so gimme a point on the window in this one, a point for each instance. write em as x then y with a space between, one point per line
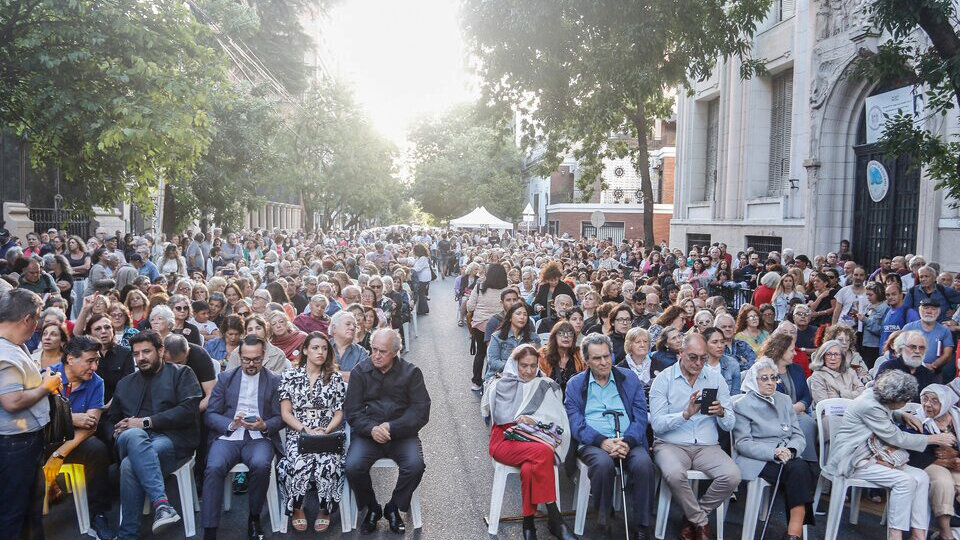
763 245
553 227
702 240
784 9
613 230
713 141
780 129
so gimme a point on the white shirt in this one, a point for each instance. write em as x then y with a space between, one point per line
246 404
848 299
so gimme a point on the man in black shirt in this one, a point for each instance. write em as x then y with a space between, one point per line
386 405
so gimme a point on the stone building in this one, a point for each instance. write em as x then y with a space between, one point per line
790 160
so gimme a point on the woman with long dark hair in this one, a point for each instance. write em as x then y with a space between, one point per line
560 358
484 303
513 332
551 286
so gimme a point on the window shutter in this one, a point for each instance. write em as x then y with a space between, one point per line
713 140
787 9
780 130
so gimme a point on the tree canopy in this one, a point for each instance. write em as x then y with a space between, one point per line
460 162
580 72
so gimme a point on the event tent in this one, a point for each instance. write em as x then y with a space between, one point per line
480 218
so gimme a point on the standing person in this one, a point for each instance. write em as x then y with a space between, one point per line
387 405
239 394
852 300
550 287
421 271
486 301
899 313
24 411
600 388
872 322
821 300
686 439
940 344
525 396
783 294
152 435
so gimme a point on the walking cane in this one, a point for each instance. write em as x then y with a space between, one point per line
623 479
773 499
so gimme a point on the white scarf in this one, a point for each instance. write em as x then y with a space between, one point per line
948 401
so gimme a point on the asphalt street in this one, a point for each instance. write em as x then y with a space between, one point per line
456 487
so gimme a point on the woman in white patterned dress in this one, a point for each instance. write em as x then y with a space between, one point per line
311 402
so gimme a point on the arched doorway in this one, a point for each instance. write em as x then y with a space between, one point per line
884 225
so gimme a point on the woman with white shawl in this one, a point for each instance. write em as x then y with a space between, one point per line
939 414
522 395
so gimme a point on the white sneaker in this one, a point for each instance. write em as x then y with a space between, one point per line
476 388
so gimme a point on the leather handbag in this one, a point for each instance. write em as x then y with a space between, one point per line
331 443
60 428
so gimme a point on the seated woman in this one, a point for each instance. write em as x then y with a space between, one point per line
847 338
748 328
832 375
232 332
53 339
285 336
522 387
717 360
793 382
311 402
668 347
560 358
621 318
273 357
939 414
672 317
767 436
637 360
868 445
513 332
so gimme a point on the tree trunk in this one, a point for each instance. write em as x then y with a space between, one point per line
946 42
642 166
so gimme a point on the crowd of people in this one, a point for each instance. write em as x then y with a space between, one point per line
281 350
712 362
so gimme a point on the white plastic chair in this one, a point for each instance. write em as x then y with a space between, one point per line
189 501
384 463
500 474
76 482
663 504
273 494
583 496
829 412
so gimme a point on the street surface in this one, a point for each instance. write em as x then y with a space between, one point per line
456 487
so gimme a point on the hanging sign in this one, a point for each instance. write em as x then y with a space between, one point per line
878 181
881 107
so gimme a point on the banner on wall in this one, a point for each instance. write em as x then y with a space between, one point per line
881 107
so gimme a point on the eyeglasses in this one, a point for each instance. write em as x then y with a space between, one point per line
376 287
181 308
769 378
622 320
833 355
698 358
252 361
802 314
917 348
565 333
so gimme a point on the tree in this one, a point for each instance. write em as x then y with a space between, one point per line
580 71
460 162
242 157
116 94
340 166
933 66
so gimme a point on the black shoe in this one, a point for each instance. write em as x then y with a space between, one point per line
393 517
254 532
102 528
559 529
530 534
370 519
240 483
643 534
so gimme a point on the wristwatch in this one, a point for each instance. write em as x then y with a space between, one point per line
147 424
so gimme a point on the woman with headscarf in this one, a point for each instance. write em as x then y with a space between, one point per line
832 375
523 397
767 437
939 414
868 445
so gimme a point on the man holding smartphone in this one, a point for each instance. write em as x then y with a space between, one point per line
686 434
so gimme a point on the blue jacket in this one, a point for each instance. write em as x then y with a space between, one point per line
796 374
634 401
498 351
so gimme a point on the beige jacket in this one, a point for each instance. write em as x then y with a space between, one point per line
826 383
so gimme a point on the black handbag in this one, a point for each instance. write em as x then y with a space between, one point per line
60 428
322 444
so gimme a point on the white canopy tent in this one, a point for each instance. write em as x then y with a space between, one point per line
480 218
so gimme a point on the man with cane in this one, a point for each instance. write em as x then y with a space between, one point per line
607 409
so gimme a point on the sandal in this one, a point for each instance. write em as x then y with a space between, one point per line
322 522
299 524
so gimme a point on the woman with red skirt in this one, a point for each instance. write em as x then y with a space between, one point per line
522 387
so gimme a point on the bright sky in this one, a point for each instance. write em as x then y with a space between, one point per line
403 58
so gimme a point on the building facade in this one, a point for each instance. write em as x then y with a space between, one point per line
559 205
791 160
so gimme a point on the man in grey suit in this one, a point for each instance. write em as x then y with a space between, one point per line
243 416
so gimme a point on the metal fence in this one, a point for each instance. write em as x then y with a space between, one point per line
735 297
47 218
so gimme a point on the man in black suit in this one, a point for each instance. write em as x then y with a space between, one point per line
244 420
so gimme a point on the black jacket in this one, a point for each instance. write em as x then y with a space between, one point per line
114 366
176 396
541 298
398 396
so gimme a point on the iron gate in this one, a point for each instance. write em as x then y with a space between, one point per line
888 227
611 229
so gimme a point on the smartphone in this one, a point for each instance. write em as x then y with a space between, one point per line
250 418
228 272
707 397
